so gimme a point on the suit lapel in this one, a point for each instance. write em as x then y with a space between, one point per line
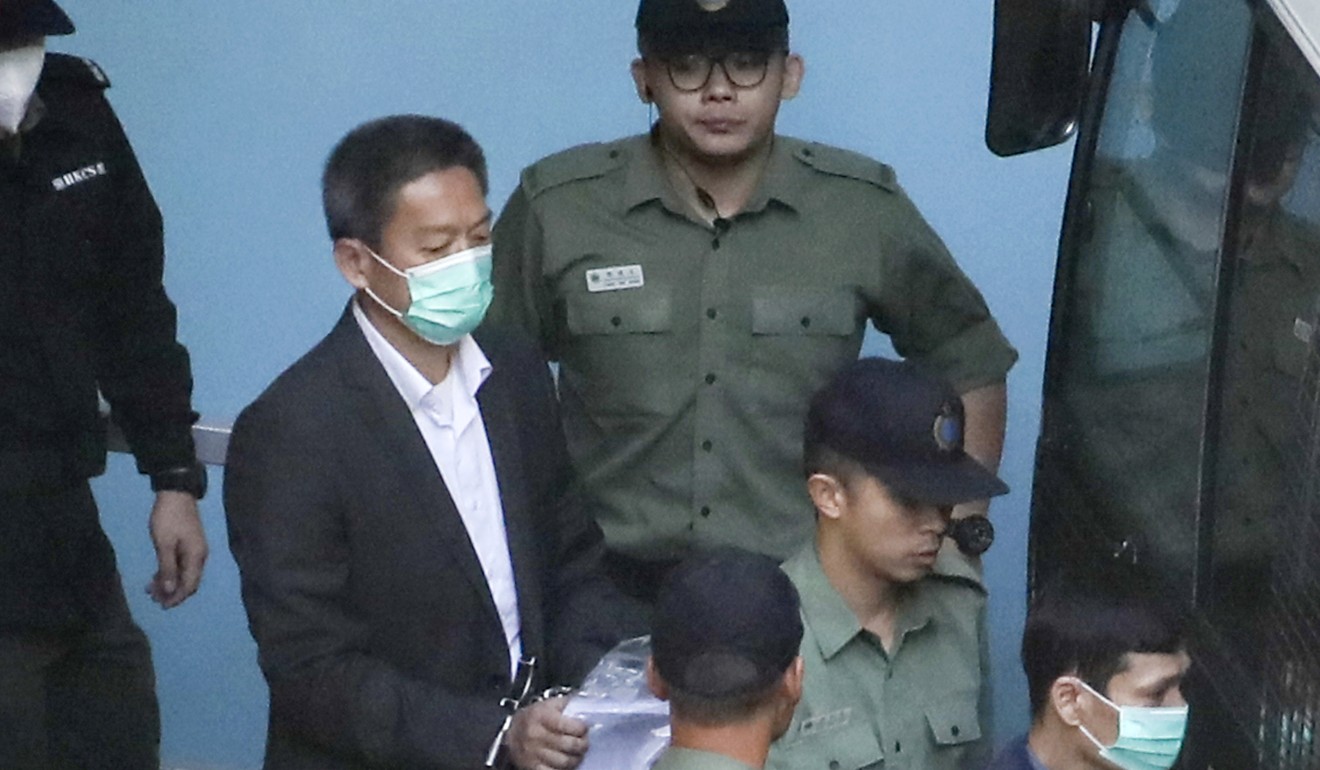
423 499
499 409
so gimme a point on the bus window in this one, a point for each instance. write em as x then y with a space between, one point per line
1121 441
1264 597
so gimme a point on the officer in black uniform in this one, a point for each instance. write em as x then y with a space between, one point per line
82 309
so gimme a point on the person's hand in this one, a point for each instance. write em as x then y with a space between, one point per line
176 532
542 738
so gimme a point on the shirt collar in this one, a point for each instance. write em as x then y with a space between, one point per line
681 757
36 110
785 176
832 621
469 365
13 143
646 178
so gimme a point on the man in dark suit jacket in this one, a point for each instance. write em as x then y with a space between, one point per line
399 500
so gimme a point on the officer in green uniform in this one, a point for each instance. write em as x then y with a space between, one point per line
698 284
897 671
724 653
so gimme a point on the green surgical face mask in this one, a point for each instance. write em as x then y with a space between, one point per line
449 296
1149 737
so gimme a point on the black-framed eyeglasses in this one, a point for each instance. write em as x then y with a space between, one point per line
743 69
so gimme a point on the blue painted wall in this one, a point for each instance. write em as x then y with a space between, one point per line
233 106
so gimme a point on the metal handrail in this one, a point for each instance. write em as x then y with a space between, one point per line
210 436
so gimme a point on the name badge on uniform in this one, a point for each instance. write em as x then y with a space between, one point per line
615 278
65 181
821 723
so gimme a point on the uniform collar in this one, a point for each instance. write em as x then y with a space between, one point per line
831 620
647 179
680 758
13 144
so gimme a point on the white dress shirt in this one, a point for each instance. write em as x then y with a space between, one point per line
449 418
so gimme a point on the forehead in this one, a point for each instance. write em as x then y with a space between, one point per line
448 199
1145 671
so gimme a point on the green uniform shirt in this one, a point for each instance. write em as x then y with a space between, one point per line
924 707
677 758
688 351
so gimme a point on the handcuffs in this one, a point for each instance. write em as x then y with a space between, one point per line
520 695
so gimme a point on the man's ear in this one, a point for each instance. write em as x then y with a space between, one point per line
795 69
1064 694
785 702
351 258
638 69
828 494
653 680
793 680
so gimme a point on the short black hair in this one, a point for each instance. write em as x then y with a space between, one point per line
717 710
817 457
1086 624
369 166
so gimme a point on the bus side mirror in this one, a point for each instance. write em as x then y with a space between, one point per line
1038 75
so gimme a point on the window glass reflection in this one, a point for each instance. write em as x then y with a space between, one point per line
1130 397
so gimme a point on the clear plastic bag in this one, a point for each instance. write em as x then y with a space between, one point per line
629 725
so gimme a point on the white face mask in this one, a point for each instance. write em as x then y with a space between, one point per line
19 70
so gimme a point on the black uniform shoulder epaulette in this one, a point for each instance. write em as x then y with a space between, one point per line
845 163
74 69
586 161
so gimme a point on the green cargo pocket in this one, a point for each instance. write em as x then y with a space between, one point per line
618 357
954 721
787 310
852 746
620 312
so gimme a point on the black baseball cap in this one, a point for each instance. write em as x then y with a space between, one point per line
696 26
726 624
905 427
32 18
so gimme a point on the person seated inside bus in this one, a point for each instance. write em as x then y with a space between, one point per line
1270 363
1105 660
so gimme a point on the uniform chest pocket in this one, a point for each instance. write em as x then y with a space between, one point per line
852 746
620 312
954 721
617 353
784 310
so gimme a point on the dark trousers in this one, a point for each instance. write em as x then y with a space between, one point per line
639 581
78 693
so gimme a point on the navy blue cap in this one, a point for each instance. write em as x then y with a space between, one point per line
693 26
726 624
32 18
905 427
